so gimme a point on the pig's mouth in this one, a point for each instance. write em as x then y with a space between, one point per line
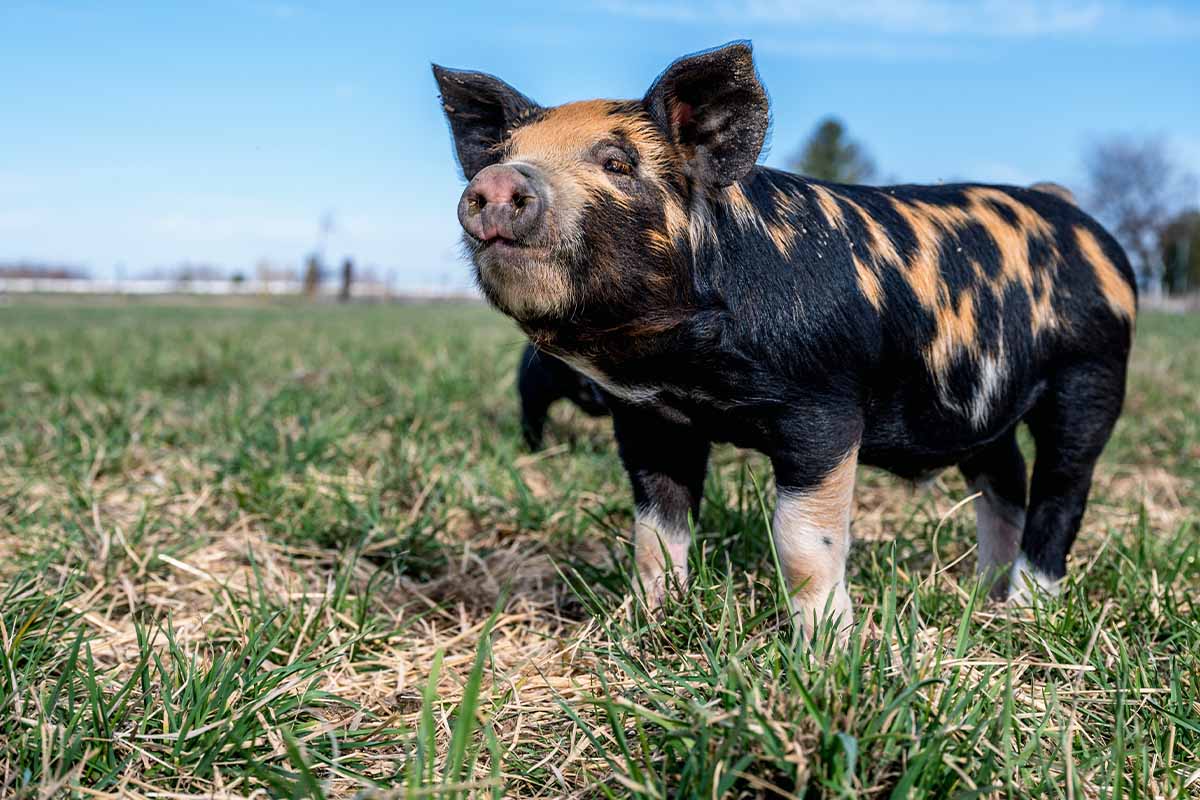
522 279
500 244
500 247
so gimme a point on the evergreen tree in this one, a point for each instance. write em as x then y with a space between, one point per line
1180 245
831 155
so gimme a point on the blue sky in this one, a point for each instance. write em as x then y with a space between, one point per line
149 134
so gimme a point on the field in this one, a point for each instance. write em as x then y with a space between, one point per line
299 551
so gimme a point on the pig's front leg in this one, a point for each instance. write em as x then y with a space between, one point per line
666 462
811 526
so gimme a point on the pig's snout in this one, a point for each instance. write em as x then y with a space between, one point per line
502 202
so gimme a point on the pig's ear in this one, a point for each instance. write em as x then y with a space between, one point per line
480 109
714 108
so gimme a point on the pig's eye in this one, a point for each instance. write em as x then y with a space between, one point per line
614 159
618 166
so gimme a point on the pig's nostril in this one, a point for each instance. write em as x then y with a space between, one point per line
500 202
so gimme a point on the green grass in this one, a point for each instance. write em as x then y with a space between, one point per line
301 550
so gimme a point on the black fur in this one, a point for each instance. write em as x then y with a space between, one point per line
690 101
788 358
481 109
543 380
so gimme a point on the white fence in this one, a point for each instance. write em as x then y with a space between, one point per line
247 288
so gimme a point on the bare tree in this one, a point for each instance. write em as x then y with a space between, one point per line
347 279
312 275
1135 187
326 225
34 269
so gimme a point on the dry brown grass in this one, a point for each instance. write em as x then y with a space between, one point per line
164 535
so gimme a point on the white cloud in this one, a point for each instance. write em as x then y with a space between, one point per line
281 10
939 18
860 48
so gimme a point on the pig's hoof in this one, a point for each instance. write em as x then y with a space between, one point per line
1029 585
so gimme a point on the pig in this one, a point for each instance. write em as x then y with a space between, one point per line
912 328
542 380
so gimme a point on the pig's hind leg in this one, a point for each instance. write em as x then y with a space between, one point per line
997 473
1071 424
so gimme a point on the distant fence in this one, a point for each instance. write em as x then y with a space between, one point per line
248 288
1180 304
365 290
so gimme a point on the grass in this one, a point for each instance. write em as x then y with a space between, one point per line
300 551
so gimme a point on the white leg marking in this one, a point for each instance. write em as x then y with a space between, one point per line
998 528
812 537
1028 583
657 543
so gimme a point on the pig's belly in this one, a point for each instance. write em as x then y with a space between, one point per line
915 436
